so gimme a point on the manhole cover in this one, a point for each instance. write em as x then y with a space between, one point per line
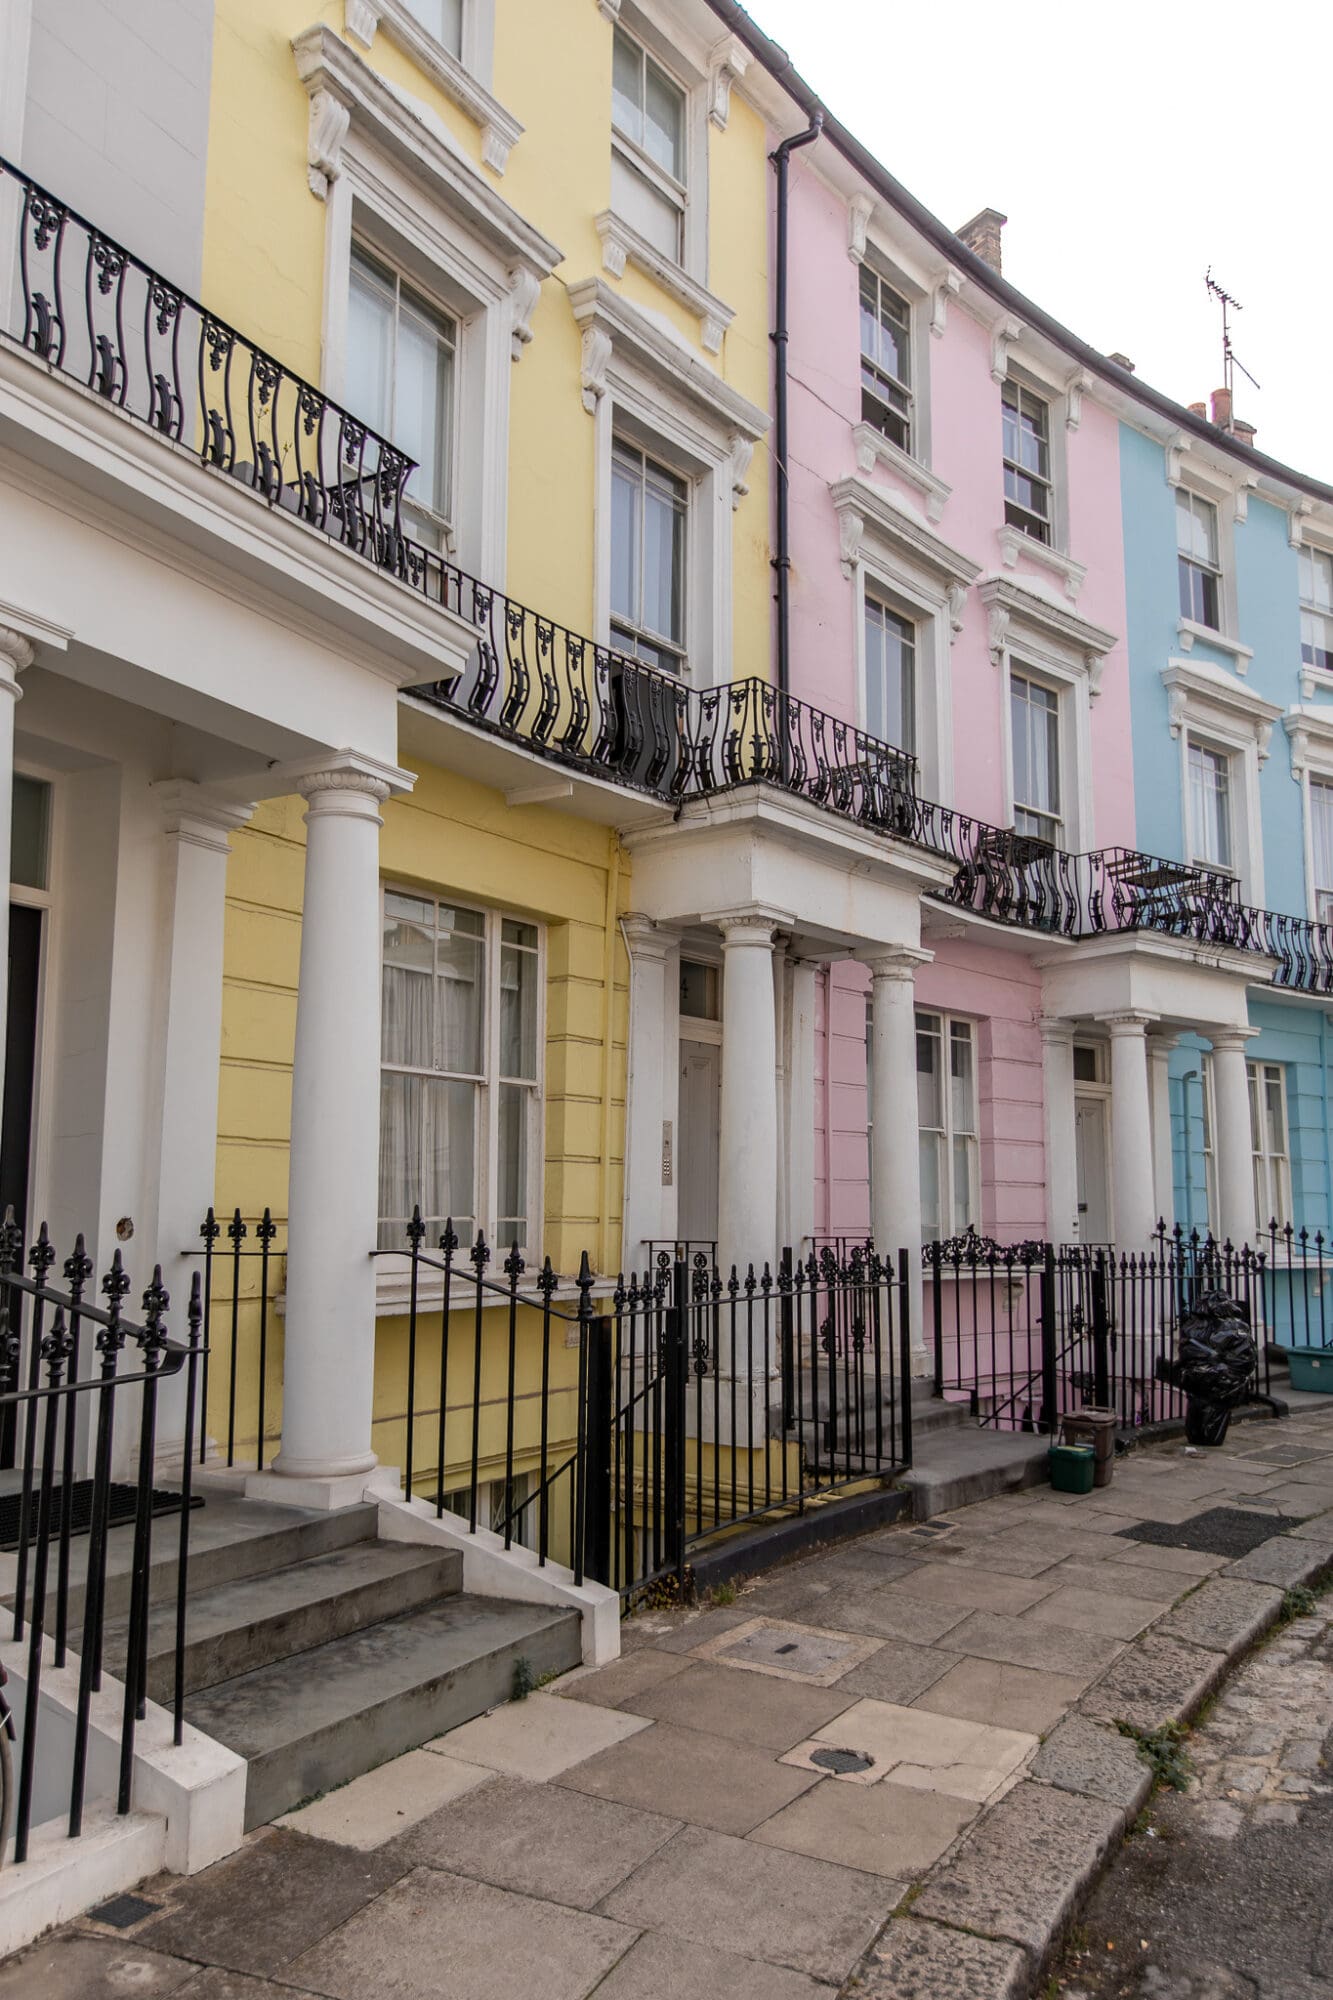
1220 1531
122 1911
795 1652
840 1762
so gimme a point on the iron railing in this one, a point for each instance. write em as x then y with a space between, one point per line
49 1337
623 1422
1027 1333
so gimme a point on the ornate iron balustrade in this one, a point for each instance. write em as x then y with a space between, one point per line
89 308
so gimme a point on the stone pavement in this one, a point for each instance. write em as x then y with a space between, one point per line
921 1722
1224 1893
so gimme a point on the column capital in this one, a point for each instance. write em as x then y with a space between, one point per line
1130 1022
192 814
900 961
757 924
1055 1031
16 654
1161 1045
645 937
1229 1041
340 771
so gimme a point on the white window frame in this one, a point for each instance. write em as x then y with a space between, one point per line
1316 675
882 601
1040 640
925 295
1271 1171
1224 637
1320 895
422 208
1226 757
465 77
945 1133
915 573
657 27
486 1163
1208 1115
674 193
1053 824
641 385
658 642
1209 706
1190 561
1018 385
873 267
440 521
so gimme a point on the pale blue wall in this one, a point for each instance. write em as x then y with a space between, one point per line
1294 1033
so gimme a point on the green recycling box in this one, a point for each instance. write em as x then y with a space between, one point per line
1311 1368
1072 1467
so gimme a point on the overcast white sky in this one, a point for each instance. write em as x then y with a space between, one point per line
1130 146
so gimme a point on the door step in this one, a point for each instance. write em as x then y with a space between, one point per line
314 1721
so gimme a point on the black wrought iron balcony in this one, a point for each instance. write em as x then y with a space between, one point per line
89 308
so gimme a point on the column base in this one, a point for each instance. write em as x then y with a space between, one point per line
324 1493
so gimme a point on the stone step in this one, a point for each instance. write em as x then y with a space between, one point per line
316 1720
955 1468
250 1622
230 1539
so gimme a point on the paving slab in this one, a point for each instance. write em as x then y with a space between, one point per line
1300 1498
988 1636
1154 1555
917 1961
753 1899
1078 1610
293 1890
537 1738
685 1775
538 1840
617 1686
850 1606
1156 1680
784 1649
87 1968
1226 1615
1095 1759
1287 1561
898 1672
722 1702
659 1968
1159 1586
1019 1871
385 1801
891 1830
974 1589
1312 1531
1007 1697
927 1751
432 1933
216 1983
679 1635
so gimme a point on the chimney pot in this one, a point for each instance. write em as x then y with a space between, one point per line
1122 361
982 235
1222 409
1242 431
1198 409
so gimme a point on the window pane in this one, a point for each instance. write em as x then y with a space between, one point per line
699 991
1321 834
400 1124
423 400
518 1009
890 676
1210 805
443 19
646 208
626 501
929 1083
627 88
962 1086
30 832
964 1151
448 1150
930 1146
664 555
664 122
513 1163
370 314
459 966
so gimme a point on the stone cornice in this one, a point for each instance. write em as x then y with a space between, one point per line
500 130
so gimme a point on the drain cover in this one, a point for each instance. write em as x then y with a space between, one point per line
841 1761
122 1911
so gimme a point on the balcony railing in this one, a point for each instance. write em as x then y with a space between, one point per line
89 308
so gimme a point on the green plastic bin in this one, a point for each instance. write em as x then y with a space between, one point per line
1073 1467
1311 1368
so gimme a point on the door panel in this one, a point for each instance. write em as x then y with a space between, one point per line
1094 1217
25 941
700 1106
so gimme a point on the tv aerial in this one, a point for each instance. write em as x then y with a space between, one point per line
1229 304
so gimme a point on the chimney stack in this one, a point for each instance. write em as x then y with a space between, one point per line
1198 409
1122 361
1222 409
982 235
1242 432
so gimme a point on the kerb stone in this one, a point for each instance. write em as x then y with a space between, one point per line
914 1961
1225 1616
1019 1873
1288 1561
1092 1758
1156 1680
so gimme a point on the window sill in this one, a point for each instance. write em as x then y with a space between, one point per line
876 452
622 245
393 1290
1189 629
1315 680
500 130
1014 543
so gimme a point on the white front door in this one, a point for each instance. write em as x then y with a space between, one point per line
697 1162
1094 1212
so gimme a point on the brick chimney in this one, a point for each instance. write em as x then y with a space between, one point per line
1222 409
1198 409
982 235
1242 432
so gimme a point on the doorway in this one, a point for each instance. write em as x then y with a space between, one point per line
25 949
1094 1208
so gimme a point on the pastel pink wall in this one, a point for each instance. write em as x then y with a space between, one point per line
996 985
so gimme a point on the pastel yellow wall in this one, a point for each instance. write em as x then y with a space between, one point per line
264 262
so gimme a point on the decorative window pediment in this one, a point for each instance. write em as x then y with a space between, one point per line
870 516
1015 616
1208 697
462 80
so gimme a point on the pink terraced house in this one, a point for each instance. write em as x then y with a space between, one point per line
957 589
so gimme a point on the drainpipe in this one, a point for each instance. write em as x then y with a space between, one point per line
782 560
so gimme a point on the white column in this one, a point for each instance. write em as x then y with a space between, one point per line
650 1138
799 1219
1233 1141
329 1349
189 1049
16 653
1131 1131
895 1170
1058 1117
747 1208
1163 1157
